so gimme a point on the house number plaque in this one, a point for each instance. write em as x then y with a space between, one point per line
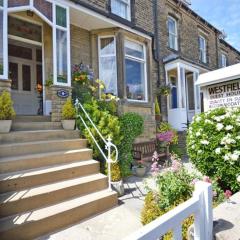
62 93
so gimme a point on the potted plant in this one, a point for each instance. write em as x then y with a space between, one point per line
116 179
157 111
68 115
140 169
165 89
7 112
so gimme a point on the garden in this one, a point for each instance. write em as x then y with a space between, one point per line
213 143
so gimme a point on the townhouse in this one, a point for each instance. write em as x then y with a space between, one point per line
43 39
187 46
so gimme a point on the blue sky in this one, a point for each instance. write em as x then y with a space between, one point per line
223 14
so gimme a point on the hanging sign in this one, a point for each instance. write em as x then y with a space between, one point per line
226 94
62 93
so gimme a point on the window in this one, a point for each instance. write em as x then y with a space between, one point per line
172 33
107 64
202 49
135 71
223 60
173 100
61 47
122 8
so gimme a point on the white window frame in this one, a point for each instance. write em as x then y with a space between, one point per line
128 13
5 40
144 61
173 34
223 60
203 50
108 55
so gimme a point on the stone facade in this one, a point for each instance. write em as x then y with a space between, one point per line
189 27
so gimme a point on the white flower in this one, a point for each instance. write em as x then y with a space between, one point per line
234 157
227 140
199 151
197 119
218 150
226 157
229 127
208 121
219 126
238 178
198 134
238 137
204 142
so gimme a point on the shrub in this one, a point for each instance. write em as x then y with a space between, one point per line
68 110
131 125
157 107
6 105
115 172
213 145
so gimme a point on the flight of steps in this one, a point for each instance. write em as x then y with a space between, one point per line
48 180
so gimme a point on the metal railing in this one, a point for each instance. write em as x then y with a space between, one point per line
108 142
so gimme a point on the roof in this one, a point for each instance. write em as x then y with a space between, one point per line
220 75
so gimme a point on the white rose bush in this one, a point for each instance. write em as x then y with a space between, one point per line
213 144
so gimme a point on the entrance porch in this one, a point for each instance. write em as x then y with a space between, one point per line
184 98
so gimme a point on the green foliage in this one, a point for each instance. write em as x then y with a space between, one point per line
213 145
6 105
68 110
175 149
165 127
49 81
131 125
157 107
115 172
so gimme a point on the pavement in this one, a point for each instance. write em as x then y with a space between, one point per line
114 224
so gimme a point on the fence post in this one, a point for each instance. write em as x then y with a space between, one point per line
203 223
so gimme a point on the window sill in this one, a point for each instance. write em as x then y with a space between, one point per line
173 50
136 103
121 19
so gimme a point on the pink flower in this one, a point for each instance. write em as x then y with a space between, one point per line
155 157
207 179
155 167
176 165
227 194
166 136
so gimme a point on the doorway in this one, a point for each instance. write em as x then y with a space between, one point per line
25 69
190 99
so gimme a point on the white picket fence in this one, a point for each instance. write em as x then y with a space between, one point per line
200 205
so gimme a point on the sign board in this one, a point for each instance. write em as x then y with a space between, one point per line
225 94
62 93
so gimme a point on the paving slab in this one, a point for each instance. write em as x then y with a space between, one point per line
227 219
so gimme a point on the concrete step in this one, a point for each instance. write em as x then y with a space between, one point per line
20 149
42 221
18 163
31 198
37 135
30 126
32 118
16 181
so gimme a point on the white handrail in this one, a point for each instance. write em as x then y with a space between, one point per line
108 143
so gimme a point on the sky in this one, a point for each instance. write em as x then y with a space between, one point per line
223 14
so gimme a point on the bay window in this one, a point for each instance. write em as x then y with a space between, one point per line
122 8
202 49
172 33
135 71
107 63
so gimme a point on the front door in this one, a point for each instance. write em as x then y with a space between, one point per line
190 96
26 78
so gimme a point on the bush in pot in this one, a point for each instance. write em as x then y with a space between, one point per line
7 112
116 179
68 115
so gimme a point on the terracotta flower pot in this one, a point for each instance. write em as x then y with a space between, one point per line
5 126
68 124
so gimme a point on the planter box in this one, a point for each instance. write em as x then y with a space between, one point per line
118 187
68 124
5 126
140 172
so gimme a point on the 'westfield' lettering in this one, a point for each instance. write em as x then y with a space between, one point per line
224 88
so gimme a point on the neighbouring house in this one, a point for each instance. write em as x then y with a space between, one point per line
188 45
41 40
